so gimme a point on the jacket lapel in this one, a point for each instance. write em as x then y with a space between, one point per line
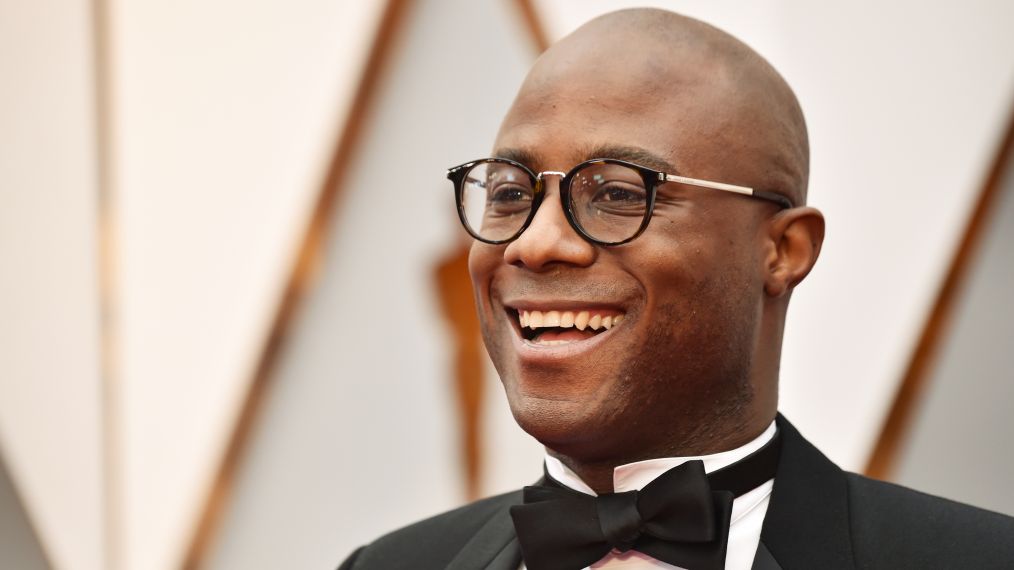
493 547
764 561
807 523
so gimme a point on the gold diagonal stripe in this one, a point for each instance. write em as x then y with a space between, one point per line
894 434
533 22
107 241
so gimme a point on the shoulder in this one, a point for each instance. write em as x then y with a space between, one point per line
897 527
430 543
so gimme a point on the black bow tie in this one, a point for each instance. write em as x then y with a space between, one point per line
682 517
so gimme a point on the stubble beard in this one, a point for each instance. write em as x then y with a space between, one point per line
686 393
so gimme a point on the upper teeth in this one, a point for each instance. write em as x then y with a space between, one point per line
567 319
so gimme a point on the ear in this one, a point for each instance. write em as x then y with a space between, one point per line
796 236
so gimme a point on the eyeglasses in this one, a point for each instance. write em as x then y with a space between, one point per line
606 201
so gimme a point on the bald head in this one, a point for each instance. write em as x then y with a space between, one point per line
714 95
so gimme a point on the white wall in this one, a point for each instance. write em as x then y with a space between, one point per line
905 103
50 387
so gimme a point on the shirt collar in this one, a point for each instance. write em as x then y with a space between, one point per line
634 476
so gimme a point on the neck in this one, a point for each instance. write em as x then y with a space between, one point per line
598 473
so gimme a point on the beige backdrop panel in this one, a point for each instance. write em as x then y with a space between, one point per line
19 544
225 114
50 422
961 435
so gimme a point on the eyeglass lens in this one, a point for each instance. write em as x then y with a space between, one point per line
607 201
496 198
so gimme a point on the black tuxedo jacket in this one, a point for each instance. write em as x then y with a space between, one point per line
819 517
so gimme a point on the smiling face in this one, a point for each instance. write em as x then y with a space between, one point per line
652 347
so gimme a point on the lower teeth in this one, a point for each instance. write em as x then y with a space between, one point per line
553 342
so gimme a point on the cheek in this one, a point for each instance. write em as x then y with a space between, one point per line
701 286
690 248
483 260
672 261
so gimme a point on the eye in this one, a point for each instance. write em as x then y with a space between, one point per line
619 198
506 193
507 198
620 193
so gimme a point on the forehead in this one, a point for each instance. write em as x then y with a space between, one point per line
569 112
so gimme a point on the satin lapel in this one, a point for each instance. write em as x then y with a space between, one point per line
807 523
764 560
493 547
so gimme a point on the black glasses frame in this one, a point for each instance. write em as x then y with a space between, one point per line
652 179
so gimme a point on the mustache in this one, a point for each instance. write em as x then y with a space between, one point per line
559 285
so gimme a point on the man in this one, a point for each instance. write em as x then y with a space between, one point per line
638 236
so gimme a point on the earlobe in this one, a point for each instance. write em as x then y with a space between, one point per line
796 237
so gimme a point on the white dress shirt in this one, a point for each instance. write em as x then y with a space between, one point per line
748 510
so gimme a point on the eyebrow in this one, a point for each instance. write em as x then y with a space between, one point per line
521 155
619 152
632 154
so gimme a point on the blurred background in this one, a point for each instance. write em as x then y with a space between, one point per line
235 327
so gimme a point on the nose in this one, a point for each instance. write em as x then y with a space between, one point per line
550 240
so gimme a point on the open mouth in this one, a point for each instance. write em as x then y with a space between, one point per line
552 328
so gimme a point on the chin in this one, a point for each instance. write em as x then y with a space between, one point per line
576 427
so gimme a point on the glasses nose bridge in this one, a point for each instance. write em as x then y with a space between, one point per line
540 176
540 181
